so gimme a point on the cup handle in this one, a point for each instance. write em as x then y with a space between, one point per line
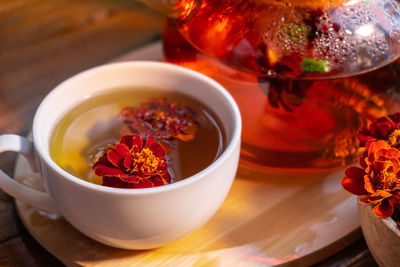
35 198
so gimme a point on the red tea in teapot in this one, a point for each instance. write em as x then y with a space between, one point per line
305 74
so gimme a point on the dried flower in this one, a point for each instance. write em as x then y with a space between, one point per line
284 93
290 66
377 181
134 163
160 120
384 128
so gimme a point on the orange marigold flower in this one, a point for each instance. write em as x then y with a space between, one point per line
383 128
134 163
159 119
378 179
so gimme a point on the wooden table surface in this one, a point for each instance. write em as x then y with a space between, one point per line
43 42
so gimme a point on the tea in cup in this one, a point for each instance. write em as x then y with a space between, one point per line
125 209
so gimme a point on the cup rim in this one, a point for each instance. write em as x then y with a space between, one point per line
229 149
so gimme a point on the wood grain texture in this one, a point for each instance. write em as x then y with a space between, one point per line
266 220
42 42
23 250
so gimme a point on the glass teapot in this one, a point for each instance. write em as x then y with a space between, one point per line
307 75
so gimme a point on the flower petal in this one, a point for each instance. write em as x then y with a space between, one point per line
375 147
383 209
103 170
380 166
158 181
112 182
354 181
144 183
137 144
364 136
395 117
380 130
363 161
384 120
103 167
369 184
127 140
116 183
131 178
395 198
379 194
132 141
128 162
364 200
162 165
354 172
395 166
166 177
157 149
117 155
103 160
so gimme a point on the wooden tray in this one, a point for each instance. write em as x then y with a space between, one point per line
267 219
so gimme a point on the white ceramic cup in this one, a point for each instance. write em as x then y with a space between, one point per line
128 218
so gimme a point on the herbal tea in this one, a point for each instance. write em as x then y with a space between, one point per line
135 134
306 75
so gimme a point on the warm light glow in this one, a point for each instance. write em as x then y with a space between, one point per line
351 2
185 8
220 26
272 260
272 57
365 30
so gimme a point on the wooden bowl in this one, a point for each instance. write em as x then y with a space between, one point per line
382 237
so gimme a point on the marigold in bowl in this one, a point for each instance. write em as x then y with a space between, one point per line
377 181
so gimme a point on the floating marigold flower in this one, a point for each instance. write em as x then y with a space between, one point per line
384 128
134 163
160 119
378 179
